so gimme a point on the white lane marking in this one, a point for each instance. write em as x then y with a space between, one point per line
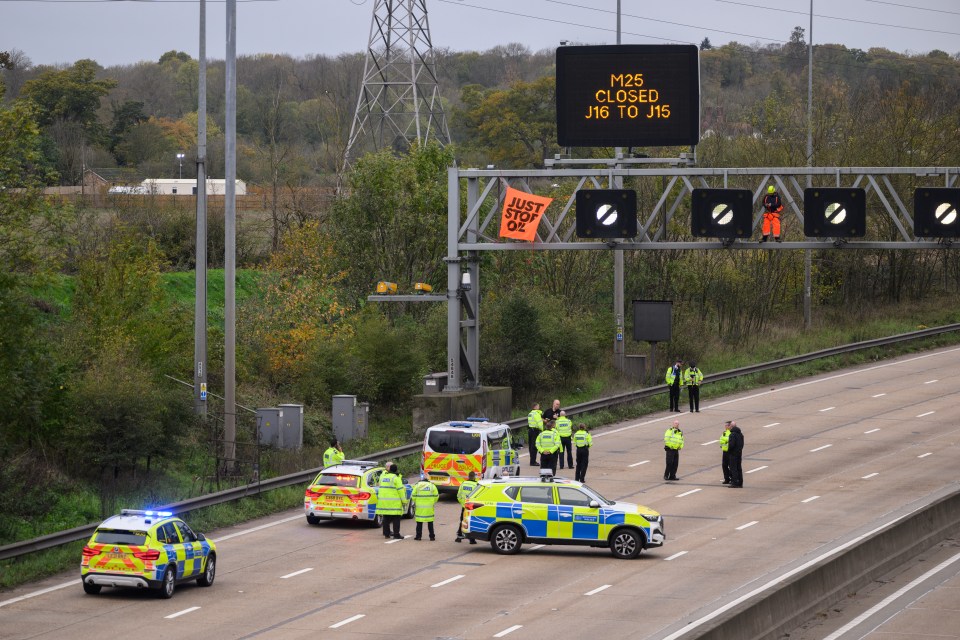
598 590
772 424
34 594
508 630
931 381
826 446
879 395
827 409
447 581
758 468
396 540
810 499
348 621
923 415
922 455
687 493
786 576
180 613
676 555
869 475
891 598
263 526
537 546
711 442
637 464
871 431
749 524
296 573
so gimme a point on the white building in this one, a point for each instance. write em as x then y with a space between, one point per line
188 187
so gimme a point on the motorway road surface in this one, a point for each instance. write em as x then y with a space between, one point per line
827 459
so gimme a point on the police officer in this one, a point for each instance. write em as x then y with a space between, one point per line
390 500
333 455
724 446
564 429
548 444
692 377
674 379
672 443
582 440
534 427
735 449
424 496
468 485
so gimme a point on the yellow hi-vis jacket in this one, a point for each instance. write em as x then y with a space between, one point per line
582 438
564 427
692 377
673 438
424 496
725 440
464 490
390 495
548 441
670 377
535 419
332 456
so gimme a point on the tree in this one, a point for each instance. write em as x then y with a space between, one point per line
705 44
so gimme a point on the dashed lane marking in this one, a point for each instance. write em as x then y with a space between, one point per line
347 621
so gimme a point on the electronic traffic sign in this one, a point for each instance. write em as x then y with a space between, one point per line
628 96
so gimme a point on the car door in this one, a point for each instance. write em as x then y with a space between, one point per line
192 559
536 501
585 520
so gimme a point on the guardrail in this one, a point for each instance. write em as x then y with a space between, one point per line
228 495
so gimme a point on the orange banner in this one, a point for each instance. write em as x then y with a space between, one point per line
521 214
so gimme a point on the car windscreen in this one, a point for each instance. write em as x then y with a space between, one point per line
599 497
452 441
118 536
338 480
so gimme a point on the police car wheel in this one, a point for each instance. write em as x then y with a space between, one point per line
92 589
506 539
625 543
313 520
409 512
209 572
169 583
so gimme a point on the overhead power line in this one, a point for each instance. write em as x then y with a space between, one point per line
910 6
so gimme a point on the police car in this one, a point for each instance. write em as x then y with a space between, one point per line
146 550
546 510
451 450
349 490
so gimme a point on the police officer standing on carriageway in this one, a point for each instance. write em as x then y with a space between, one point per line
424 496
735 449
674 379
672 443
692 377
390 500
333 455
468 485
724 446
548 444
582 440
534 427
564 427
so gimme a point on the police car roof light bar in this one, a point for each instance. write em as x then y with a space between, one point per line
141 512
475 419
546 475
362 463
461 424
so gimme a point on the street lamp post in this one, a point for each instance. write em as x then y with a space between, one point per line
180 157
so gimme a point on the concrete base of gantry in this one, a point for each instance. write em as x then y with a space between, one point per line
486 402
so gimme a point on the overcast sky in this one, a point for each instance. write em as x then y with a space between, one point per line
127 31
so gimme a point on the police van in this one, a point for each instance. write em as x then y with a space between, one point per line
451 450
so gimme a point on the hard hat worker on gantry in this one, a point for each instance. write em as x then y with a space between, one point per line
772 206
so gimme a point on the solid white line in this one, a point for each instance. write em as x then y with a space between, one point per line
922 415
508 630
347 621
810 499
296 573
772 424
180 613
889 599
687 493
758 469
396 540
922 455
711 442
749 524
827 409
263 526
931 381
676 555
871 431
34 594
879 395
447 581
826 446
869 475
598 590
637 464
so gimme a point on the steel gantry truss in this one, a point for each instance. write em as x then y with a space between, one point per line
475 202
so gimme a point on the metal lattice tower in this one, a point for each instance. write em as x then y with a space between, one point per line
399 101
